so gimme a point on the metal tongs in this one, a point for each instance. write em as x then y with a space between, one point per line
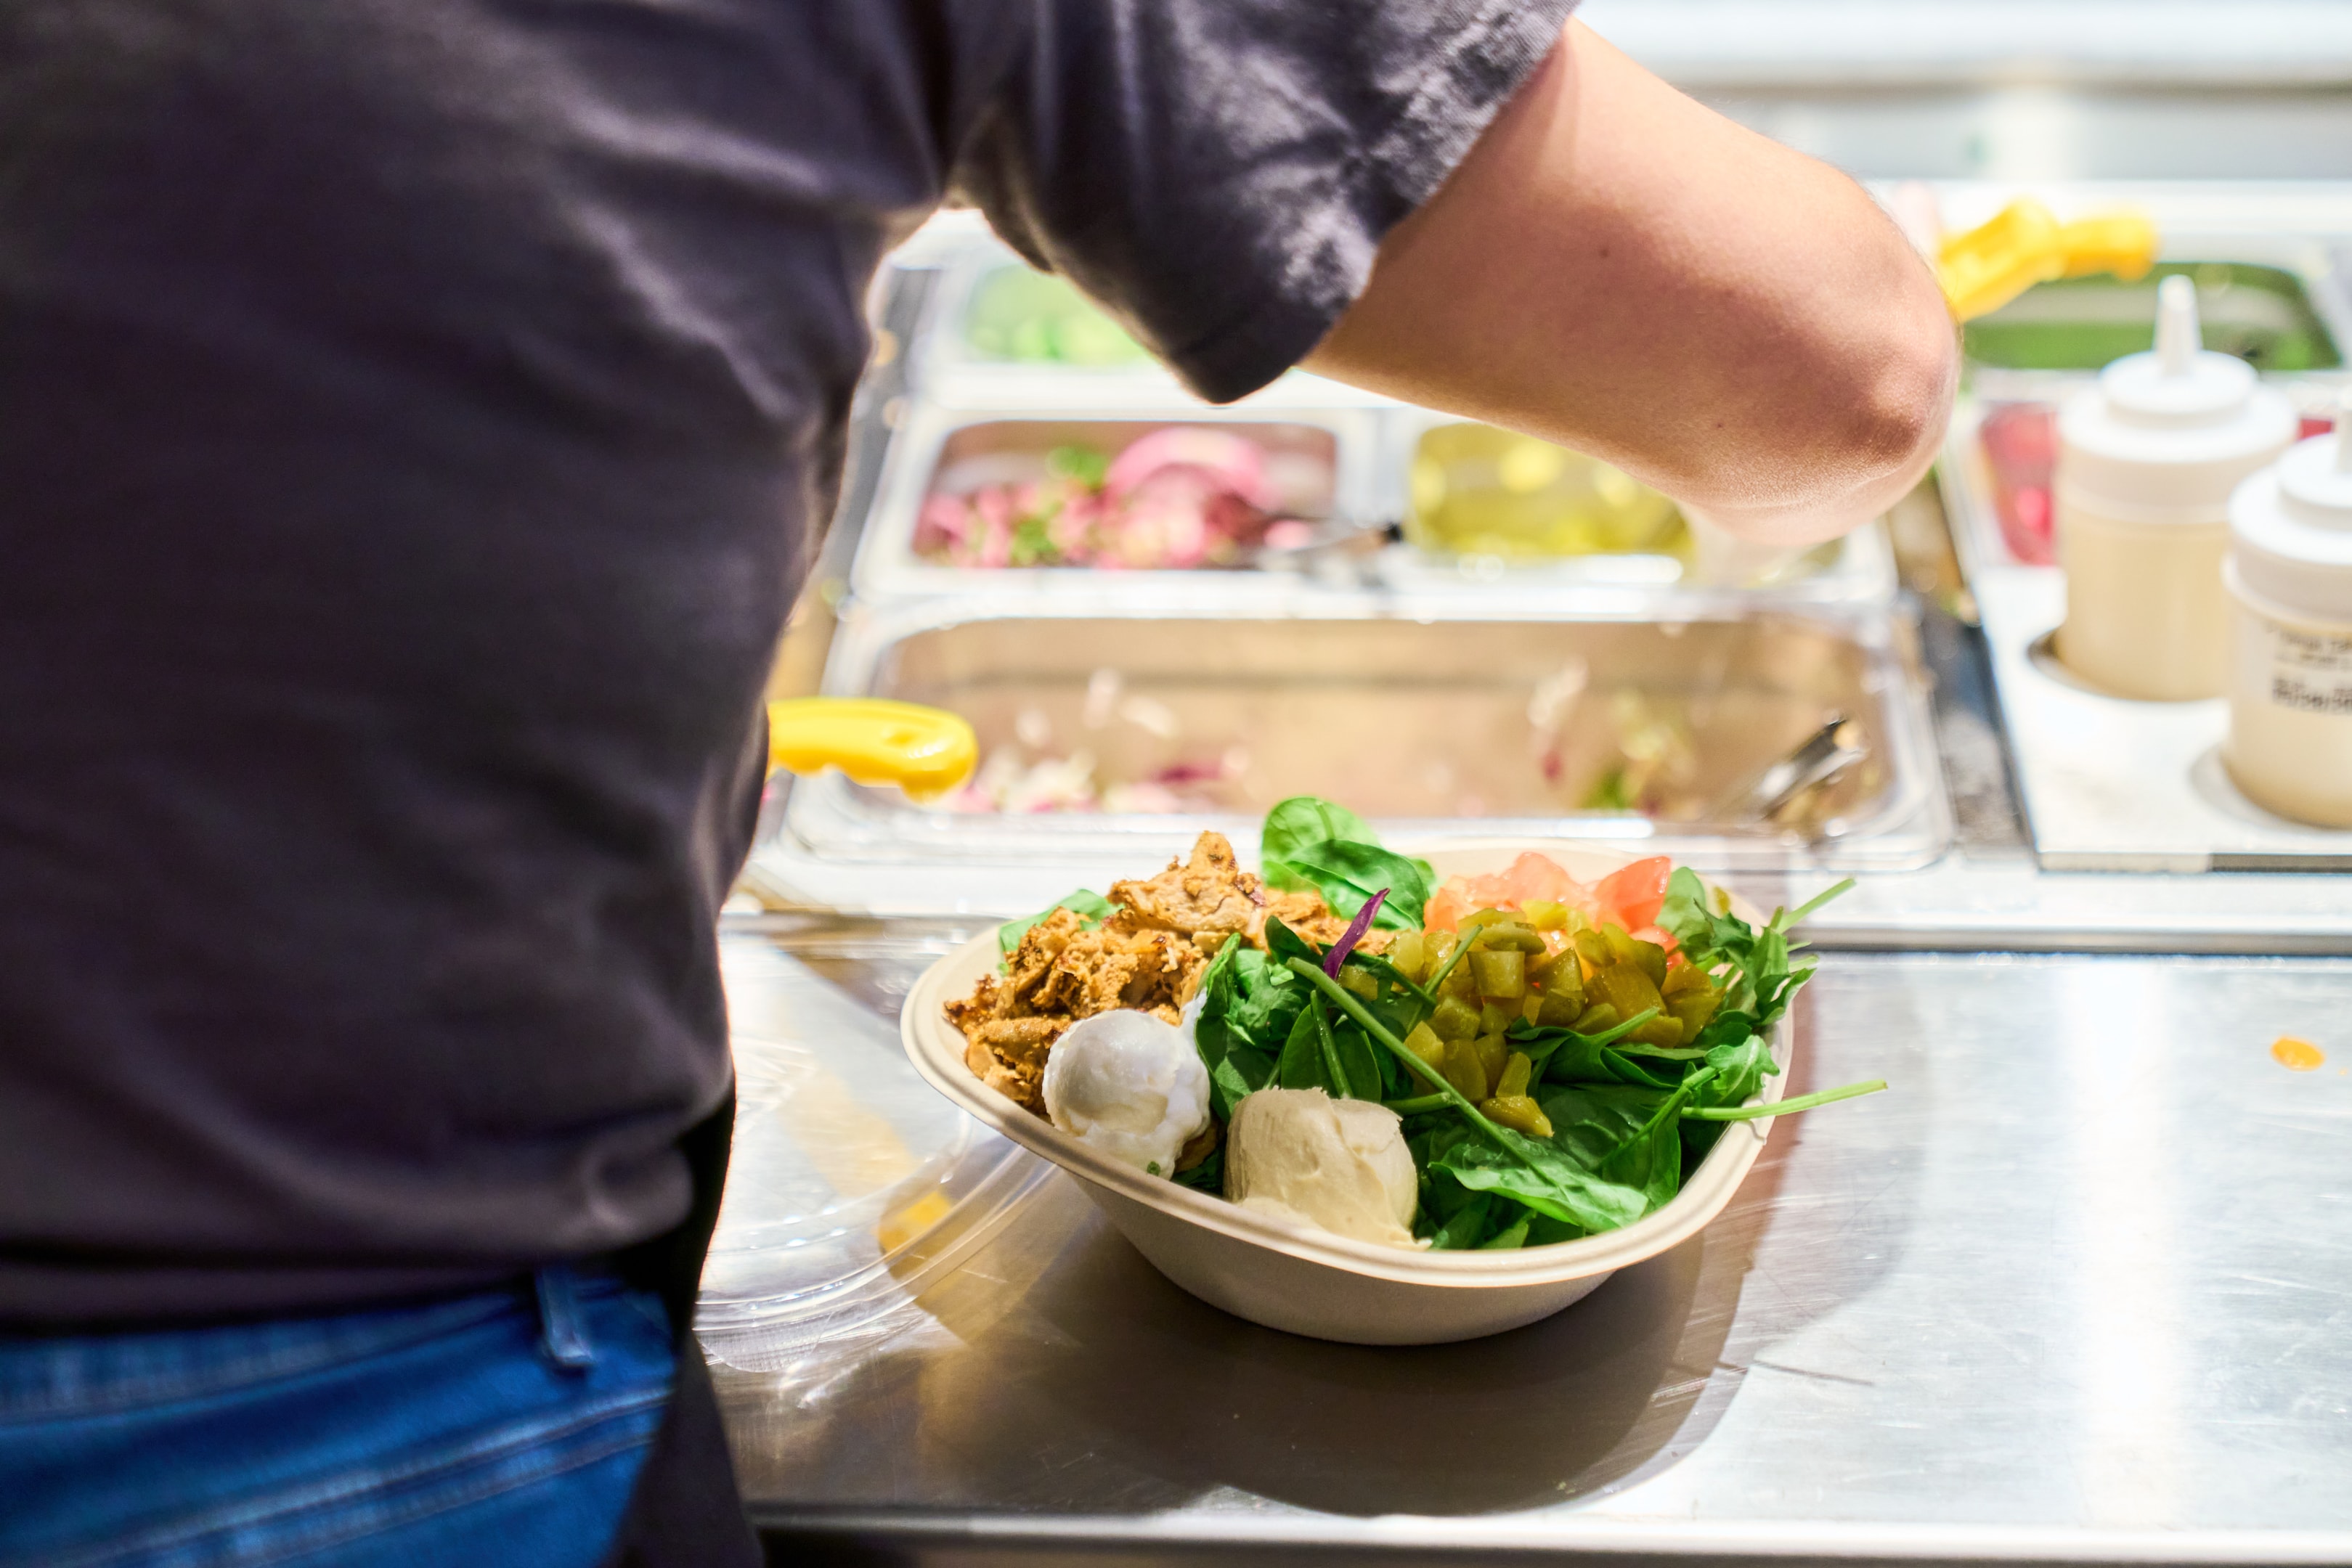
1823 757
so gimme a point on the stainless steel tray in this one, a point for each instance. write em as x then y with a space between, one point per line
1375 444
929 435
2107 784
1439 730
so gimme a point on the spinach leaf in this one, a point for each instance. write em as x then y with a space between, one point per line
1590 1121
1543 1178
1302 1065
1358 1061
1651 1159
1282 943
1543 1230
1332 1056
1307 820
1266 1000
1462 1230
1208 1176
1500 1160
1220 988
1572 1057
1092 906
1242 1003
1511 1239
1244 1070
1348 872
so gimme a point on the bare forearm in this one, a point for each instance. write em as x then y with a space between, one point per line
1620 269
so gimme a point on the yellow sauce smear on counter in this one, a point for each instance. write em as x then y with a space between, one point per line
2297 1055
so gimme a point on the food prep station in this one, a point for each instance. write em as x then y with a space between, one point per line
2073 1290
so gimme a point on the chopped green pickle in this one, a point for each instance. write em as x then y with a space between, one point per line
1454 1019
1502 975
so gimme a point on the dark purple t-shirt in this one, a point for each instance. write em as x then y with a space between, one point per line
415 415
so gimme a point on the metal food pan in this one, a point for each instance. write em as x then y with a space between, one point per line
932 439
952 375
1439 730
1857 569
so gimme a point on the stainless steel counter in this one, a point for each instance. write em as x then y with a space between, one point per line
2078 1289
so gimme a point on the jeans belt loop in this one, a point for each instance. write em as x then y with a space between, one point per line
562 1337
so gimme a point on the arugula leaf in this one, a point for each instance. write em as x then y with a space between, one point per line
1348 872
1759 982
1789 1106
1305 819
1739 1070
1092 906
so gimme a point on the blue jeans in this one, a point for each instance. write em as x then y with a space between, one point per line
502 1427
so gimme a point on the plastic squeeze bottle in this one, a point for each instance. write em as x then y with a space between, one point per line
2290 576
2146 465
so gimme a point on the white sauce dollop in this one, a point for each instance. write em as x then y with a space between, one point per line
1130 1085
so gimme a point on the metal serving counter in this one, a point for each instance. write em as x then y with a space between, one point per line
2075 1291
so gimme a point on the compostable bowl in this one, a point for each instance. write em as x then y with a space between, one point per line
1325 1286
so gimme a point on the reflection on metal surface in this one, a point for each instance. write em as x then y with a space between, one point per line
852 1183
2116 1048
1437 729
1819 760
2076 1279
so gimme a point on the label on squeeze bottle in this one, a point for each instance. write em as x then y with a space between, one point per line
2310 671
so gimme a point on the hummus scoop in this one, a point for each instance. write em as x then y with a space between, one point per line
1299 1154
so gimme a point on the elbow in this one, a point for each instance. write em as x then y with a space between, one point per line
1904 406
1855 432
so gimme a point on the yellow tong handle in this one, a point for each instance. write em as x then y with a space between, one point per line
922 751
1995 262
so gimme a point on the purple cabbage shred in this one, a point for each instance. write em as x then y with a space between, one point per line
1352 935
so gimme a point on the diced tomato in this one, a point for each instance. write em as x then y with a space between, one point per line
1662 937
1529 877
1533 876
1632 895
1446 907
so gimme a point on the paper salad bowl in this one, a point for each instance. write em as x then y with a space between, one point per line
1324 1286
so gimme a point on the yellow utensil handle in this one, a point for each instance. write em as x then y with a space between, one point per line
923 751
2023 244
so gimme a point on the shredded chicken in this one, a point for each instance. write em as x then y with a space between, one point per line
1149 955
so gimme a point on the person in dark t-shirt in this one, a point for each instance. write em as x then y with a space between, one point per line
415 415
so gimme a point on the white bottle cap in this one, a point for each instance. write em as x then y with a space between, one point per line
2168 434
2291 526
